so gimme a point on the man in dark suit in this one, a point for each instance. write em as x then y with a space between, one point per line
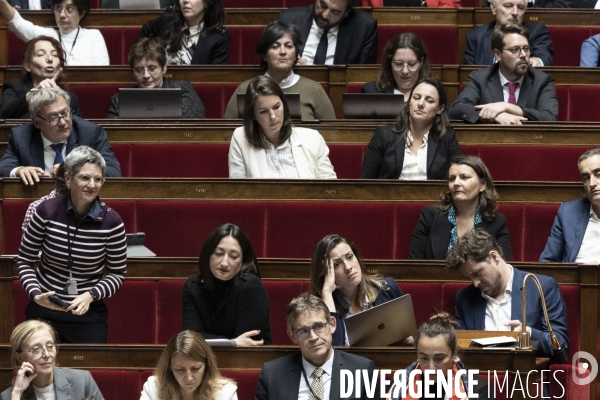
317 369
479 49
35 149
510 91
494 300
350 35
574 235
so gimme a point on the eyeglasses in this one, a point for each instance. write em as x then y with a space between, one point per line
37 352
152 69
411 66
86 179
53 120
515 51
318 328
68 9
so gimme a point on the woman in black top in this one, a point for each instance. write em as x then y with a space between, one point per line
193 31
227 299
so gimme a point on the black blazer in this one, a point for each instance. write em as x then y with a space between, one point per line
479 44
370 87
432 235
357 37
212 46
14 101
384 157
280 378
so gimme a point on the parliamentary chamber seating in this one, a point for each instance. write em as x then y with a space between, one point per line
153 303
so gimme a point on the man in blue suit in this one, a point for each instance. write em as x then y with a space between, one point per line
494 300
576 229
37 148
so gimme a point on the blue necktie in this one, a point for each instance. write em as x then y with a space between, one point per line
58 150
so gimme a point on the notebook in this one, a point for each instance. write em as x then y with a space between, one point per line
372 105
135 245
149 103
139 4
382 325
293 100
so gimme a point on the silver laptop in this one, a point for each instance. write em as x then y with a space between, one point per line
135 245
293 100
139 4
149 103
372 105
382 325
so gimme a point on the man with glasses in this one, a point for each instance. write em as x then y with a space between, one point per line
510 91
479 51
314 374
36 149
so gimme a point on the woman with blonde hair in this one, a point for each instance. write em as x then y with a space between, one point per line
33 355
336 277
187 369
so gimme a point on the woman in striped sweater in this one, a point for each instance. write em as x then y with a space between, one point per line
79 237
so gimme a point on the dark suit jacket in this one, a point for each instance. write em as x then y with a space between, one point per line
567 232
537 97
24 4
479 44
370 87
25 146
470 310
432 235
212 46
14 102
356 40
280 378
384 157
393 292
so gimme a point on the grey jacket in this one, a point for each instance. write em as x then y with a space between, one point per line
69 384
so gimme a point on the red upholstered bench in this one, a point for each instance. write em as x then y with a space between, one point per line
132 313
567 43
441 41
123 154
94 99
281 294
583 103
169 309
215 98
426 298
406 217
246 382
537 224
347 159
124 385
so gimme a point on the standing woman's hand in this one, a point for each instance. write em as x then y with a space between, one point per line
81 304
329 285
44 300
25 375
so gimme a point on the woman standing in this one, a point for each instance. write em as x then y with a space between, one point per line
193 31
79 237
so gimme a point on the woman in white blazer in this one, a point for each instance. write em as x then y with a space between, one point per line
268 146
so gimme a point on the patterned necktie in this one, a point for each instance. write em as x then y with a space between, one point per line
512 87
321 54
58 150
317 389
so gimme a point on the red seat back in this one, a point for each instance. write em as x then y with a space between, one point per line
134 305
346 159
426 298
169 309
281 294
246 382
118 384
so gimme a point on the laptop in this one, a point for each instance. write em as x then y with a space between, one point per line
135 245
372 105
382 325
293 100
139 4
149 103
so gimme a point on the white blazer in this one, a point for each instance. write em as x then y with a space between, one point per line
311 156
150 391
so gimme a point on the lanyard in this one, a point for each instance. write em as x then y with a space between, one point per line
307 384
71 285
74 41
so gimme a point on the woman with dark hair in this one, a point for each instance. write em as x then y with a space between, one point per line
336 277
404 63
268 146
43 64
420 145
437 350
278 48
193 31
227 299
469 203
148 62
187 370
81 46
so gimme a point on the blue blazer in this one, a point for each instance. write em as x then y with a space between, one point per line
339 336
470 310
567 232
24 4
25 146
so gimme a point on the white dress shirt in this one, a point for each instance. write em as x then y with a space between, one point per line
505 91
280 161
499 312
312 42
304 390
35 4
589 253
414 166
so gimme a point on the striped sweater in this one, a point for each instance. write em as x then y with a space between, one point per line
99 242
